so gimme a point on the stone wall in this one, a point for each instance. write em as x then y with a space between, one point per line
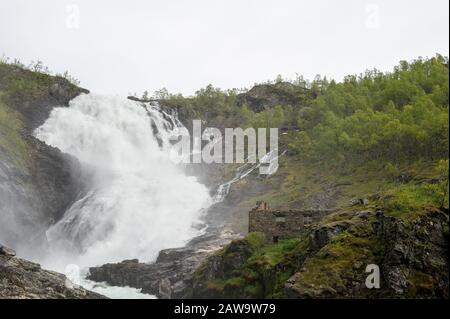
277 224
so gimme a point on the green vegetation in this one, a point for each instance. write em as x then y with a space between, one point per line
387 118
264 270
367 131
336 269
406 199
378 136
21 89
38 68
15 91
11 141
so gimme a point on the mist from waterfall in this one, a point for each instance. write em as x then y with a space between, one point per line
139 202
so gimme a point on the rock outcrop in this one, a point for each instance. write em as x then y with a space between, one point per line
22 279
265 96
208 280
34 95
171 275
412 256
37 182
330 260
415 263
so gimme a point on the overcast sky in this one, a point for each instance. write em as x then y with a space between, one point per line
127 46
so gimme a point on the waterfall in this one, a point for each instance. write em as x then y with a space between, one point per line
244 170
139 202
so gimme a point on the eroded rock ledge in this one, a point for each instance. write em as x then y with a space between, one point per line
171 275
22 279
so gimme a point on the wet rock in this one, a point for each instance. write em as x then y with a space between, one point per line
170 276
37 182
22 279
8 252
165 289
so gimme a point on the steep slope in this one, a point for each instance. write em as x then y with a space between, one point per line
37 182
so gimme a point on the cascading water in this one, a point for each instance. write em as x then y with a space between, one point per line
139 202
243 171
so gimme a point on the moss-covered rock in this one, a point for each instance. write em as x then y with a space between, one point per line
330 260
265 96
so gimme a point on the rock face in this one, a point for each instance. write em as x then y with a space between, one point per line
22 279
223 264
37 182
412 257
416 254
264 96
170 276
330 260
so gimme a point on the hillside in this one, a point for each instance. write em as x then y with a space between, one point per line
372 132
378 137
372 149
37 182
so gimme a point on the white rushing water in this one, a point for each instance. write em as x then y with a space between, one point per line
77 277
244 170
140 202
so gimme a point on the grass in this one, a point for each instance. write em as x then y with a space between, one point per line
11 142
298 185
21 89
271 255
264 272
22 85
255 240
340 264
406 201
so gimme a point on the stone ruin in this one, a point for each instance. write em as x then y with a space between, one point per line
281 224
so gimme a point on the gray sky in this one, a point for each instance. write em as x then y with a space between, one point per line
129 46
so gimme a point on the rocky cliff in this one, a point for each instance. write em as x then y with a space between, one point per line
37 182
265 96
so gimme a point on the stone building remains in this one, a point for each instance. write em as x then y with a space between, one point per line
281 224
